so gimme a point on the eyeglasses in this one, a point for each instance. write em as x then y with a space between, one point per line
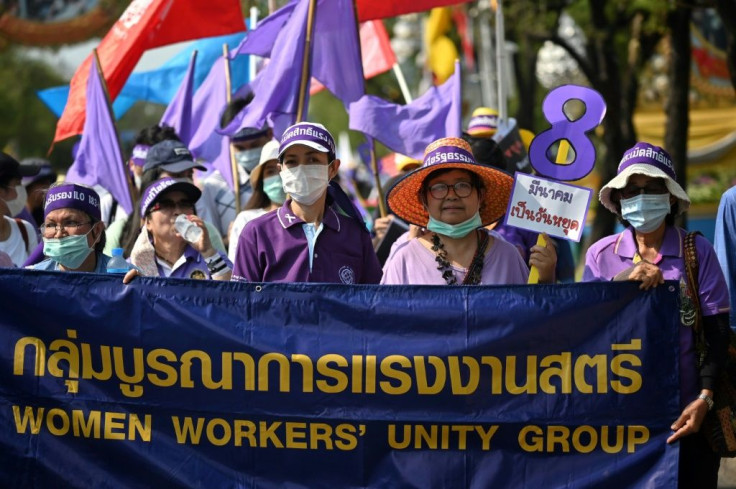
166 205
440 190
70 227
654 188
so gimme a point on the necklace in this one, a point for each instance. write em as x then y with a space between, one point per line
476 266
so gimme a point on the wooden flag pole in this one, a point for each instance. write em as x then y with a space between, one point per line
233 161
306 63
128 179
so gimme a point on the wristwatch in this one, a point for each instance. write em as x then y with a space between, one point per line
708 400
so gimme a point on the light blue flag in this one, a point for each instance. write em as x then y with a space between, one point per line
160 85
98 160
55 99
409 129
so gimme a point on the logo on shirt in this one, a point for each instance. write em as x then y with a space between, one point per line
197 275
289 217
347 275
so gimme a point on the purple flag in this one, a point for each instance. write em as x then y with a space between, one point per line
336 60
260 40
276 87
208 104
179 112
408 129
98 160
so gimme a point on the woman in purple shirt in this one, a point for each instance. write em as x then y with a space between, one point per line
307 239
646 196
453 197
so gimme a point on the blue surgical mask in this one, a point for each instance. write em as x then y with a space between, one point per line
646 212
455 231
248 158
69 251
273 187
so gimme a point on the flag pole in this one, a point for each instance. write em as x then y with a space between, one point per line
402 83
306 63
252 59
372 142
500 61
131 188
233 162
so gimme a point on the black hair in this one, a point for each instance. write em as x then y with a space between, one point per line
486 151
155 134
233 108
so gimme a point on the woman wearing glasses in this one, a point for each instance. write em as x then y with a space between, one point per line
645 195
72 231
453 197
160 250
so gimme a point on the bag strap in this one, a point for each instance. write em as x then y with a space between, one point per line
691 271
23 232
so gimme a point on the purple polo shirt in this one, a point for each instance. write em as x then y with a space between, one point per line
194 266
273 248
614 254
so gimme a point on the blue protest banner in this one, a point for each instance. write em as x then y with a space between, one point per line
176 383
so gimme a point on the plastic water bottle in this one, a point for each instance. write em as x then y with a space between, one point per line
187 229
117 263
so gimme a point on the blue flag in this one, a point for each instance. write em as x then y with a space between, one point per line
99 160
409 129
179 112
160 85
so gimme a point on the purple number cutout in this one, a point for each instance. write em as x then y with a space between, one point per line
574 131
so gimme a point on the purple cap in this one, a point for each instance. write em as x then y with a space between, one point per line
648 154
73 196
159 187
310 134
140 151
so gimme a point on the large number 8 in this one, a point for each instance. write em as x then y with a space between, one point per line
575 132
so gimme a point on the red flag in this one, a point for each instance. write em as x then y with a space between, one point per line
380 9
375 46
146 24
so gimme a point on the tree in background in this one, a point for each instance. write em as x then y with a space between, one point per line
26 123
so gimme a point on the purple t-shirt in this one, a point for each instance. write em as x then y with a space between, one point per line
614 254
194 266
413 264
274 248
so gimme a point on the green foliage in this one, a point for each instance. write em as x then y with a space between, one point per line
27 127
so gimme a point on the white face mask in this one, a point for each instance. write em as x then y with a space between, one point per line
16 205
305 183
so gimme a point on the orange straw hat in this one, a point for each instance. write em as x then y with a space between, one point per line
450 153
